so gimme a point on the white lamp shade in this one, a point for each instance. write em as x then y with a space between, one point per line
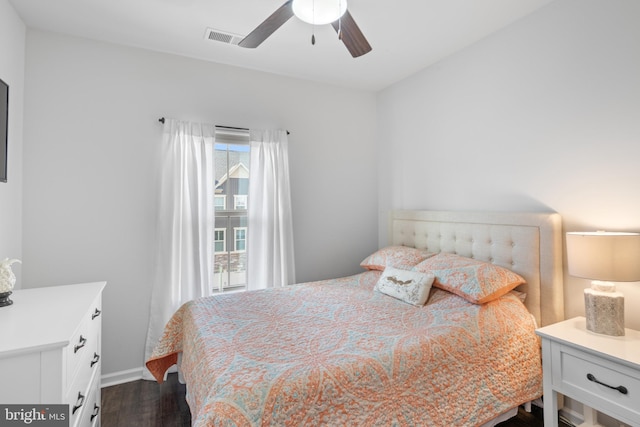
607 256
319 12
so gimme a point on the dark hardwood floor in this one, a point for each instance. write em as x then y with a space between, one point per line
149 404
145 404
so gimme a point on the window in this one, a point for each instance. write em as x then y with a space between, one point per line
219 237
231 158
240 201
221 202
240 239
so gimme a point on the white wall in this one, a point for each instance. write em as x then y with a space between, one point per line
91 133
543 116
12 43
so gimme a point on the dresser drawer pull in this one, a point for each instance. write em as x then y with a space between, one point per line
79 403
620 388
96 314
96 411
96 358
81 343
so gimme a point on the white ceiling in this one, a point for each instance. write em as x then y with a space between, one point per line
406 35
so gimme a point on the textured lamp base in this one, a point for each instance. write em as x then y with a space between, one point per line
604 312
4 299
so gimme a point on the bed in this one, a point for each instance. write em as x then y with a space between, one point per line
345 352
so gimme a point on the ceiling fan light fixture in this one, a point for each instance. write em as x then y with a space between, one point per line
319 12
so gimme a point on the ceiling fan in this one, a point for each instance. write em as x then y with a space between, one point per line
315 12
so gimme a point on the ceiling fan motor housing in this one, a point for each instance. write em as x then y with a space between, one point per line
319 12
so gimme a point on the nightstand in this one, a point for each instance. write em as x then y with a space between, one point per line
601 372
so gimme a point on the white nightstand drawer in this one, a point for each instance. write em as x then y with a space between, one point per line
599 382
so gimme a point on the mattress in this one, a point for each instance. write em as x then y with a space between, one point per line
337 352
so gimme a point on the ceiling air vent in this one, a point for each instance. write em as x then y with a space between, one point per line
222 36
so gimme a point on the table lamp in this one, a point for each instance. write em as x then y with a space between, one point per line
604 257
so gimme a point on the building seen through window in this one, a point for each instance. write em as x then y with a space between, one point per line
231 199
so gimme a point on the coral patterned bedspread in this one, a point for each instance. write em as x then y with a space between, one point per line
338 353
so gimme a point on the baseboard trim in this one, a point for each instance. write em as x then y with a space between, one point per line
121 377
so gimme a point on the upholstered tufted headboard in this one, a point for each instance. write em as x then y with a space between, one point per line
529 244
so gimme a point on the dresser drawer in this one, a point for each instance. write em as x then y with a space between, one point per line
78 392
91 417
599 382
85 342
89 414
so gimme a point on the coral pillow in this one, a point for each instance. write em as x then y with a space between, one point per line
402 257
476 281
409 286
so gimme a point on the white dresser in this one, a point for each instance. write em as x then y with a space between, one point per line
50 349
602 372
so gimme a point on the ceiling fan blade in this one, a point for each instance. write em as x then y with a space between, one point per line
268 27
352 37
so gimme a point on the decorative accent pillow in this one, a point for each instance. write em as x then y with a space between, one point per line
476 281
402 257
409 286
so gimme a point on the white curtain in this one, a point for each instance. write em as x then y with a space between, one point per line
184 258
270 236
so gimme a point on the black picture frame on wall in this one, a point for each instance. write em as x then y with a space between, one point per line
4 129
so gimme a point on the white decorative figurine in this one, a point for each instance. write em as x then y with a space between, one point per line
7 281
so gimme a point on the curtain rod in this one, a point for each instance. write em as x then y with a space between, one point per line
161 120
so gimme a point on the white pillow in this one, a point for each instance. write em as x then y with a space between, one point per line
409 286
